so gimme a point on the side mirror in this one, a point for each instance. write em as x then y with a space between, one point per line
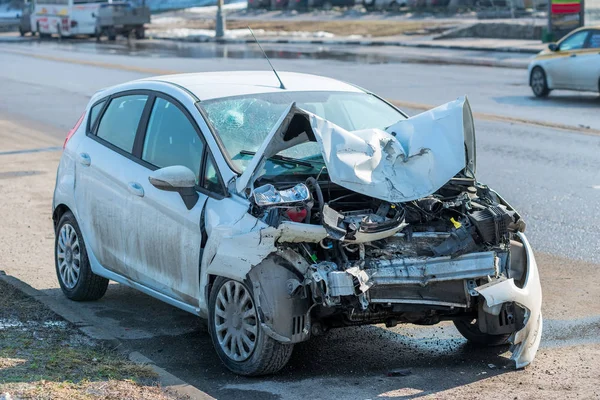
553 47
178 179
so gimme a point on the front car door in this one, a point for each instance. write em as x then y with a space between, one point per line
165 249
560 67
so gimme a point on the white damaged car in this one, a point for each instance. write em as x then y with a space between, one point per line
280 211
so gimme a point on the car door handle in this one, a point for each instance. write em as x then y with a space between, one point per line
136 188
84 159
573 55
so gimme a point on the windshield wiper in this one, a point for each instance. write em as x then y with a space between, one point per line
281 158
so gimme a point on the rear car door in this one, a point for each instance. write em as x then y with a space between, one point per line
585 68
560 68
166 249
102 188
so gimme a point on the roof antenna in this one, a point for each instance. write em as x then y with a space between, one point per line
281 85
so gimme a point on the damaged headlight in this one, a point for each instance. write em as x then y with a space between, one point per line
268 195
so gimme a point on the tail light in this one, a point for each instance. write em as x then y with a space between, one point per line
74 23
74 129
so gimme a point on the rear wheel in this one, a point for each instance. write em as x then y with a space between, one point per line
539 83
237 336
140 33
470 331
112 35
73 269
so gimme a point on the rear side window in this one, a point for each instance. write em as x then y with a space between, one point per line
120 121
171 139
95 110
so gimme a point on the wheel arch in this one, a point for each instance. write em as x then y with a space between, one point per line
58 212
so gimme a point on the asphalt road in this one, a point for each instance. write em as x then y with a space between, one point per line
550 175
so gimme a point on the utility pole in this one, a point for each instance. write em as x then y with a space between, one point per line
220 23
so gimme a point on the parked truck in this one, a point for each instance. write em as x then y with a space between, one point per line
121 18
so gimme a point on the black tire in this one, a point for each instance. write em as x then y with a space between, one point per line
539 83
88 286
469 329
112 35
21 31
268 355
140 33
394 7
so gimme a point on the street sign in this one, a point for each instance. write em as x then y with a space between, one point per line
564 16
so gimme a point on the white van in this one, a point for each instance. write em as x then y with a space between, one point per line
64 17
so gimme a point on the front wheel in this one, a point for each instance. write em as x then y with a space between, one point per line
73 269
539 83
469 329
237 336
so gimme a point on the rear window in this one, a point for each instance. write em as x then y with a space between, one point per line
120 121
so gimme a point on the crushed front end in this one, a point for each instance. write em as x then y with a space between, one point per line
398 231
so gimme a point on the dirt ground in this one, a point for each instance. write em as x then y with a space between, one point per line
338 28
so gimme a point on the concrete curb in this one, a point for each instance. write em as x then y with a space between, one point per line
354 42
168 381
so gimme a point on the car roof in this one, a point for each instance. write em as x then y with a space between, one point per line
213 85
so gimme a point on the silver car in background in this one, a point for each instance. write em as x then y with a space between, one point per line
280 210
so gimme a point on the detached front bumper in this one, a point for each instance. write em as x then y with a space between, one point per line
526 341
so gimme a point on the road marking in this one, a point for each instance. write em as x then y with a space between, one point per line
398 103
54 148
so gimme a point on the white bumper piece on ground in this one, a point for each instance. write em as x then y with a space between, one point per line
525 342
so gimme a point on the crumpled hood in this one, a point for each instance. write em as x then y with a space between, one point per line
409 160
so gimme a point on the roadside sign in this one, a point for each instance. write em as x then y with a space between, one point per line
564 16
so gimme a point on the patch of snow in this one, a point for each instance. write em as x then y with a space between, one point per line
177 33
55 324
10 323
213 9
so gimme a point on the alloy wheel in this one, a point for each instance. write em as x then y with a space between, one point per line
538 82
236 323
68 254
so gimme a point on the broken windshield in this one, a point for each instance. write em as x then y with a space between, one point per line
243 122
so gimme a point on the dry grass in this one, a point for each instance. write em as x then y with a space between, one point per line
340 28
44 357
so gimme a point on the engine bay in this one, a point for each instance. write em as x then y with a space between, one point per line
416 261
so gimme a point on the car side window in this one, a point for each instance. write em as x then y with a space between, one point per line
171 139
94 111
574 42
211 179
594 40
120 121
